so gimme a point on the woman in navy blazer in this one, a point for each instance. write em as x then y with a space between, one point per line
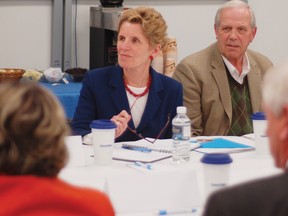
138 99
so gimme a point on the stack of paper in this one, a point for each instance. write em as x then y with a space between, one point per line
144 151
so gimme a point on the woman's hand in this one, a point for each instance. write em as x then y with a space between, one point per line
121 120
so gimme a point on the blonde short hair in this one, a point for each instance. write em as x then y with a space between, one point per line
153 24
32 131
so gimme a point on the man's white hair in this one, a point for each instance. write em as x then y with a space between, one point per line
235 4
275 88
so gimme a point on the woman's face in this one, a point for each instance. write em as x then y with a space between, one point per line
133 47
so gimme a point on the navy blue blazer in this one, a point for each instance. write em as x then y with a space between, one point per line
103 95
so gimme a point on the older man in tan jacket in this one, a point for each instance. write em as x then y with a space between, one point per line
222 83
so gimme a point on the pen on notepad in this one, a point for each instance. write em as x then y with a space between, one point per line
167 212
146 166
204 140
140 167
141 149
145 149
200 140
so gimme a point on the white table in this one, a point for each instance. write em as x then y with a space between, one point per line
118 177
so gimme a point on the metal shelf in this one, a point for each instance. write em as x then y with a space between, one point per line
61 34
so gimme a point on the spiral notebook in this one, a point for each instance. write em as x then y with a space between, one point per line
144 151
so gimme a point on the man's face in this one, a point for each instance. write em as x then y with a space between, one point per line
234 33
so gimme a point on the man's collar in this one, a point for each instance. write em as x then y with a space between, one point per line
234 72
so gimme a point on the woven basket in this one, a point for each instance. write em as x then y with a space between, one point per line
11 74
77 73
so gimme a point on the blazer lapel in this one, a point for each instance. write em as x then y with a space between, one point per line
117 90
254 83
219 73
153 101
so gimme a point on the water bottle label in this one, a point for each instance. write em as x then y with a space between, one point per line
181 132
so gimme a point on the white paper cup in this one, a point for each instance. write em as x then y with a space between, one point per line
259 128
216 170
103 137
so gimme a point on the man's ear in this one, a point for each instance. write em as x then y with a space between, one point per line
284 131
254 31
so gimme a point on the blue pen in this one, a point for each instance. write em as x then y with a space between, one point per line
140 164
141 149
184 211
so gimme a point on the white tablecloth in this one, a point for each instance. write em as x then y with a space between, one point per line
166 185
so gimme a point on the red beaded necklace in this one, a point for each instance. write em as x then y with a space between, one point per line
141 94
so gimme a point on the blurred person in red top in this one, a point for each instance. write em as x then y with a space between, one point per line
32 151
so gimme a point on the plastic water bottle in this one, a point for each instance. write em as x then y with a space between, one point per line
181 130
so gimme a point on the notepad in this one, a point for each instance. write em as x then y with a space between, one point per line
160 150
224 146
133 156
222 143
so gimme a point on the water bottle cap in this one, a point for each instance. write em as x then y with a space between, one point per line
181 109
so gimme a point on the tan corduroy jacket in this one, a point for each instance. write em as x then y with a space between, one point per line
206 89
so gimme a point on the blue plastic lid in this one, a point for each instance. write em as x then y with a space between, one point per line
258 116
216 158
103 124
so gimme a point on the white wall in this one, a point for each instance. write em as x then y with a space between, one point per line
25 34
190 21
25 38
272 34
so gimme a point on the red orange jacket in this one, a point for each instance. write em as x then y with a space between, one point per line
31 195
